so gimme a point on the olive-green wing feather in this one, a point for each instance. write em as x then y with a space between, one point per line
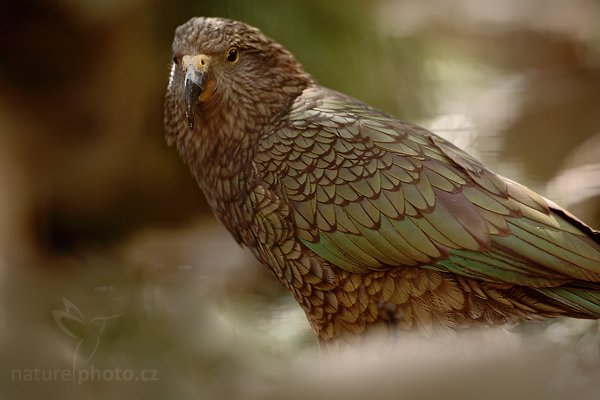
372 193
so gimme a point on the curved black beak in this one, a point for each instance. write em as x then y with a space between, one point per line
193 88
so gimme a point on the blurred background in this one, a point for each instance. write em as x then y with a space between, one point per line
109 256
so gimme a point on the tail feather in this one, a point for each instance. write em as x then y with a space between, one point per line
591 232
581 301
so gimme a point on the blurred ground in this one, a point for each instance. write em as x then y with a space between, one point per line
98 218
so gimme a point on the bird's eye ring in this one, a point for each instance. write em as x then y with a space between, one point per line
232 55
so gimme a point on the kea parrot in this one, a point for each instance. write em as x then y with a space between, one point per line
373 224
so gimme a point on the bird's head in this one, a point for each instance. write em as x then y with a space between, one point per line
227 78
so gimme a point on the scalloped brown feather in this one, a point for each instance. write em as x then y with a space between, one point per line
372 224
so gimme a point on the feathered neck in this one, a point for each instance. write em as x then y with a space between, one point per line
220 147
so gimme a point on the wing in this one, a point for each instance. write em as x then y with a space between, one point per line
369 192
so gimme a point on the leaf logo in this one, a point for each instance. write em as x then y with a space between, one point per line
87 333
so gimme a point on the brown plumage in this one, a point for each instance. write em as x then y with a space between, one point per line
372 224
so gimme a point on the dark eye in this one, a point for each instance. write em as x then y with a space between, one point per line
176 60
232 55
